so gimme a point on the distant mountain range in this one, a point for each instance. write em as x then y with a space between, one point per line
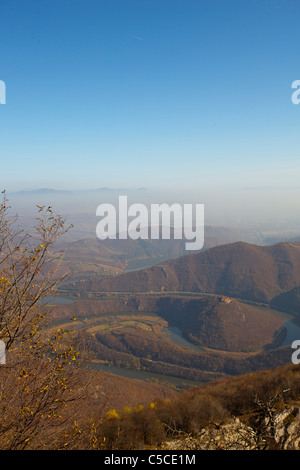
70 191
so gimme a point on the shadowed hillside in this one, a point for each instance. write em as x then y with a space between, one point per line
221 323
241 270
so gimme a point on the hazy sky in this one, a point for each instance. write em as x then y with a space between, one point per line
167 94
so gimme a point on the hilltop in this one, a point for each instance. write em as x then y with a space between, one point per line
221 323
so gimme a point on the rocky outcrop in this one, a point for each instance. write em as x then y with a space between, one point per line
281 431
233 435
286 428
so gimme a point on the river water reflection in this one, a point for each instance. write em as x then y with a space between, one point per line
292 333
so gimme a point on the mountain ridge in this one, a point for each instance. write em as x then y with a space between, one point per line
238 269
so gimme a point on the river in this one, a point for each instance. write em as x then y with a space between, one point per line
292 333
144 375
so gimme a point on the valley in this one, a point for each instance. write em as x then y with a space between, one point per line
152 333
88 257
227 310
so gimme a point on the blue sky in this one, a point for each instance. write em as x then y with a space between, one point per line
162 94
